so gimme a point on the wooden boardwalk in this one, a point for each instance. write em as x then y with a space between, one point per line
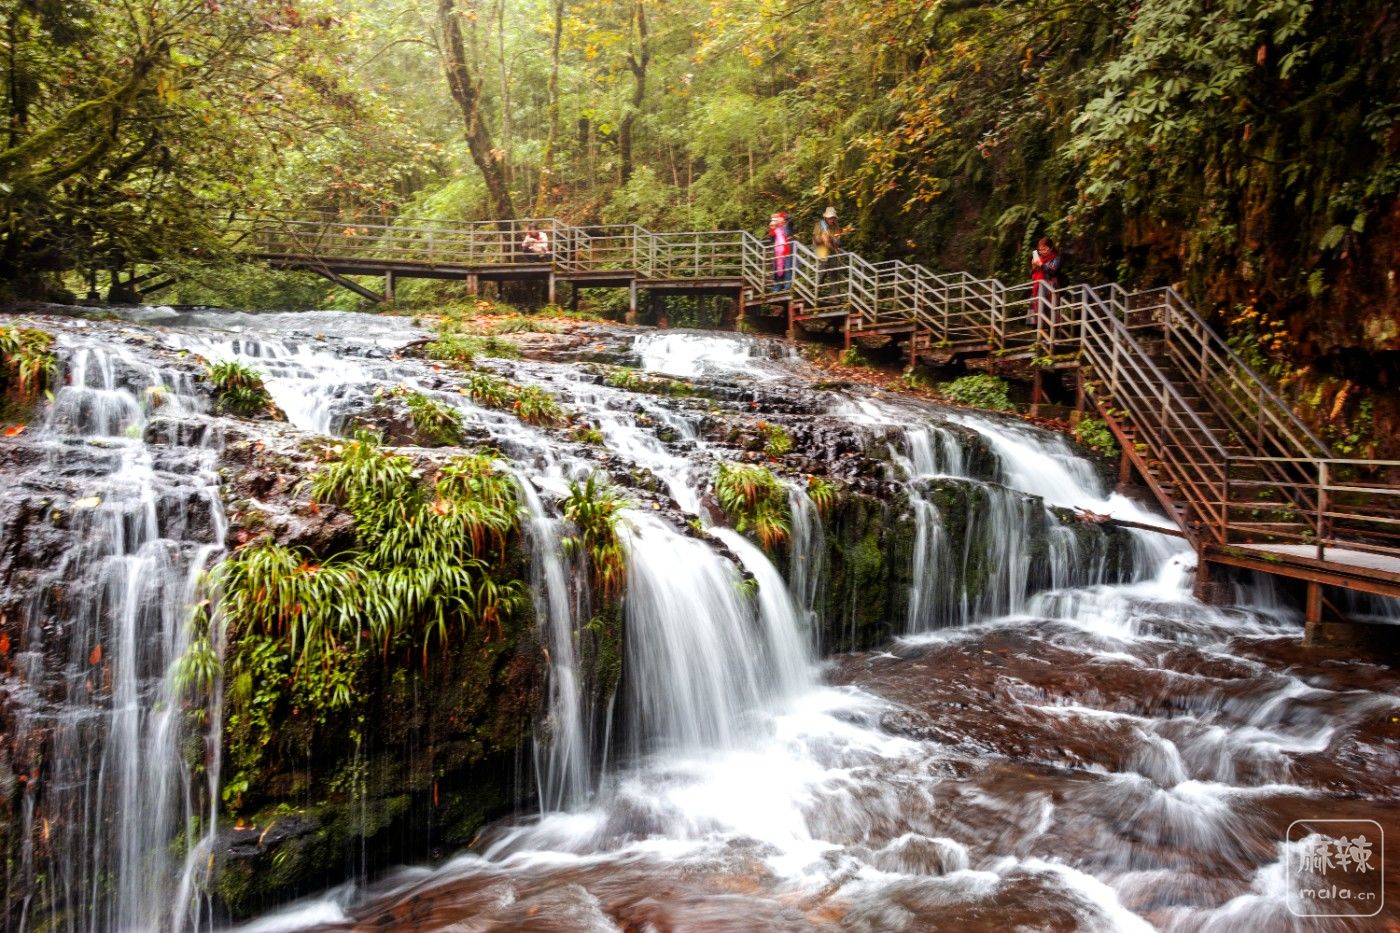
1247 482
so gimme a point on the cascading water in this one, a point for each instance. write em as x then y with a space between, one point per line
135 477
1070 742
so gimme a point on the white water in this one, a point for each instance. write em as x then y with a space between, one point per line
118 790
741 763
690 355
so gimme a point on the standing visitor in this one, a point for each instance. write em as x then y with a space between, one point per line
1045 271
781 234
826 239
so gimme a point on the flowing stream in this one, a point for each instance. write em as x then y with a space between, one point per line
1072 743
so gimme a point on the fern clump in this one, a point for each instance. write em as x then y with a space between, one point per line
430 566
822 493
979 391
777 439
27 362
530 404
238 389
629 380
461 350
594 508
428 557
534 405
755 501
436 423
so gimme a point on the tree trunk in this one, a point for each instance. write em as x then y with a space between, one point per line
547 163
467 93
507 130
637 62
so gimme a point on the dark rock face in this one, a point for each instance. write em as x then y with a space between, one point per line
439 745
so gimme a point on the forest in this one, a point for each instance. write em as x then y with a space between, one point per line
1246 151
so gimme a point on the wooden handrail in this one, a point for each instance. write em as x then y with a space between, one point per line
1262 462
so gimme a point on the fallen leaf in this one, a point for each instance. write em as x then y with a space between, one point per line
90 502
4 643
15 430
95 656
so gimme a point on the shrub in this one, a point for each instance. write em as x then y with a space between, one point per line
978 391
632 381
779 441
1096 435
594 508
822 494
535 406
437 423
27 361
238 390
851 356
755 501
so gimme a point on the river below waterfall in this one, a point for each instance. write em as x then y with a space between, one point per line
1057 736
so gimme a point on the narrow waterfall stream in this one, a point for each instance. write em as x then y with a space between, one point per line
1050 732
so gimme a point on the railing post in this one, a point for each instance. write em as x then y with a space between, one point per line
1224 533
1322 507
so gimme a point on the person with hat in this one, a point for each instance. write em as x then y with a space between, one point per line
826 240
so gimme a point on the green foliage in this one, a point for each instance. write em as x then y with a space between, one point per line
755 501
979 390
630 380
461 350
437 423
588 434
27 362
238 389
530 404
534 405
1096 435
914 381
822 493
453 348
490 390
430 562
851 356
779 441
594 508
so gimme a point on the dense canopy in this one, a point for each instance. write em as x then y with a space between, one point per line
1245 150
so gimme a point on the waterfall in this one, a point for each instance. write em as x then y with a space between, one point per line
697 671
563 759
1065 734
147 520
806 555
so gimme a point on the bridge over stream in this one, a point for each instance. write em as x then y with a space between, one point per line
1246 481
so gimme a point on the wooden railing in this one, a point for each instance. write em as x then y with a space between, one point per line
1237 463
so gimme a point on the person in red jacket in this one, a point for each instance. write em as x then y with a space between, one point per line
1045 270
781 234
